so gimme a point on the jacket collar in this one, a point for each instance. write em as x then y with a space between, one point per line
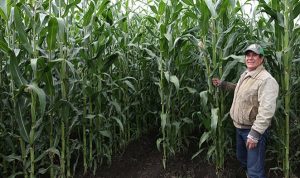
255 72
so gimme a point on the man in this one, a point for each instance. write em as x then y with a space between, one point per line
252 110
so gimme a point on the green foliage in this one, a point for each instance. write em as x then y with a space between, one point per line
81 79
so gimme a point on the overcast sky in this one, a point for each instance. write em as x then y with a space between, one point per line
247 8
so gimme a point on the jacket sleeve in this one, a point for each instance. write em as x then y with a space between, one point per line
267 95
227 86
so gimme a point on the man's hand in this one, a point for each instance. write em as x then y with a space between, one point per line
250 144
216 82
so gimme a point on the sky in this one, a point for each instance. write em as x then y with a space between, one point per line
247 8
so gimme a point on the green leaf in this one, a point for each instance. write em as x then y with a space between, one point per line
18 109
150 53
205 16
211 8
151 31
20 28
41 95
61 28
163 120
54 151
211 150
277 16
190 14
103 6
116 106
172 79
187 120
296 11
106 133
71 67
88 15
158 142
129 84
119 123
109 61
33 63
204 137
197 153
90 116
4 46
153 8
18 79
191 90
69 6
14 175
176 124
296 60
12 157
214 118
240 59
161 7
204 98
4 9
175 81
188 2
231 65
52 32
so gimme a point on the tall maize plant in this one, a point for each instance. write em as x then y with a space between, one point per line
18 45
174 42
81 79
285 13
217 41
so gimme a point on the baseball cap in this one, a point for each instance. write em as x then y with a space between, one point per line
255 48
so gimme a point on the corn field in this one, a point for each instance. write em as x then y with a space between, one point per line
81 79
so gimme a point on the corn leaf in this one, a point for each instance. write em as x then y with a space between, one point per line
88 15
175 81
109 61
214 118
163 120
20 28
61 29
103 6
119 123
69 6
41 95
204 98
20 120
54 151
158 142
296 11
161 7
188 2
52 32
15 72
4 47
228 68
4 9
106 133
204 137
211 8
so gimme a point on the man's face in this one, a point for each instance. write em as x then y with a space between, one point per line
252 60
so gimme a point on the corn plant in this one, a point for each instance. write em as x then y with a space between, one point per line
214 39
285 42
81 79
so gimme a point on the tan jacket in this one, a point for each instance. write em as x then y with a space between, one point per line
254 101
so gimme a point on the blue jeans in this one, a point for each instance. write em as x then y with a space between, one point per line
251 160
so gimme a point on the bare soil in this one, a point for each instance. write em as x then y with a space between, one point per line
141 159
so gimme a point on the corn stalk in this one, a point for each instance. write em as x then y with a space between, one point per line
287 55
